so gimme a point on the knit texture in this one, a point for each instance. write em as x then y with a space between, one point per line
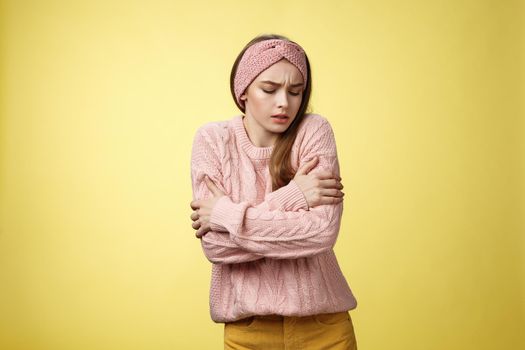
262 55
271 253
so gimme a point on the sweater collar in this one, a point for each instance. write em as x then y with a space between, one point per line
253 151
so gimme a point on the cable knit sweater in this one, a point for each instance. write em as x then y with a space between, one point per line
271 253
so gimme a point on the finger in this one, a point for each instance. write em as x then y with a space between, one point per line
202 231
212 187
331 200
331 183
195 205
194 216
331 192
306 167
196 225
199 233
325 174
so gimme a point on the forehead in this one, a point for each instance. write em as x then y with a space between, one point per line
281 71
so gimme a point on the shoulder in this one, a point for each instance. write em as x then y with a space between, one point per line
213 132
315 136
315 118
315 126
314 123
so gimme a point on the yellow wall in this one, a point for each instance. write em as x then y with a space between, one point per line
99 104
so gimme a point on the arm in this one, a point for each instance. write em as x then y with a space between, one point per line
216 244
286 234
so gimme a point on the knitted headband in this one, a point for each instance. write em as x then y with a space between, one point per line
262 55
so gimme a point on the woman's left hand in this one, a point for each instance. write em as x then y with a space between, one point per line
203 208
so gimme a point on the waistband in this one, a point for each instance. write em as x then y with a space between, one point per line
271 317
274 317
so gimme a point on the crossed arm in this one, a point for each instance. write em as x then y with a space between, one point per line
282 226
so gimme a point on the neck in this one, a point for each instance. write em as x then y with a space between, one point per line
257 134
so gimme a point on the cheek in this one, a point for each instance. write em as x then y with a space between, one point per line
260 100
297 102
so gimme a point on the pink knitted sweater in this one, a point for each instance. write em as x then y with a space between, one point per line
271 253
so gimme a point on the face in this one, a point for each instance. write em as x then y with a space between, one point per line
277 90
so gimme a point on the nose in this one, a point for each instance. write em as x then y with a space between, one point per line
282 99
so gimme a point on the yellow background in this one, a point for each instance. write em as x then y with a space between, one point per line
99 104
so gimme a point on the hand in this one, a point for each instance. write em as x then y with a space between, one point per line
203 209
319 188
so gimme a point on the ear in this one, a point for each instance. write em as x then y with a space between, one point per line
243 97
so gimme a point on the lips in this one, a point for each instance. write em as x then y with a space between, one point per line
280 116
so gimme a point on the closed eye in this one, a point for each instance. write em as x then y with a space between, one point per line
272 91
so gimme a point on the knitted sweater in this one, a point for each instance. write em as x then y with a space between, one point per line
271 253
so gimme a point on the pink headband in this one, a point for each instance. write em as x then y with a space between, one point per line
262 55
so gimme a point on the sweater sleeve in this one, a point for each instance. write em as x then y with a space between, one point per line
286 234
217 244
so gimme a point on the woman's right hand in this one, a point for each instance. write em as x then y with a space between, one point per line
320 188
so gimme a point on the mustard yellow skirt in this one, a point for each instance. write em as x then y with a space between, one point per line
333 331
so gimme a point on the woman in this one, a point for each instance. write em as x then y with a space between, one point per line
268 206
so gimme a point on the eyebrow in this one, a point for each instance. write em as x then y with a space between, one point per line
274 83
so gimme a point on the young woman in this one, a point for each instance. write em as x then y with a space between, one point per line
267 207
